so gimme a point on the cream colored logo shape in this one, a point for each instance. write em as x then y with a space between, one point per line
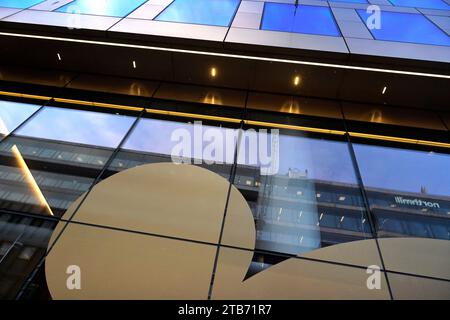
187 202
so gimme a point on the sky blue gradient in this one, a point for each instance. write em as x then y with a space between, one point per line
12 114
19 4
84 127
425 4
303 19
113 8
407 27
155 136
210 12
350 1
403 170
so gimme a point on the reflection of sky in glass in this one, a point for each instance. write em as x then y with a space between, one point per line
352 1
404 170
427 4
155 136
92 128
114 8
210 12
407 27
323 159
19 4
12 114
303 19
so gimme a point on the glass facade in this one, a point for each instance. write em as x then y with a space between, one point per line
407 190
308 200
407 27
210 12
157 140
429 4
19 4
12 114
114 8
299 19
55 157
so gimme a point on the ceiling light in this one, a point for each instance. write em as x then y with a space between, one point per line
134 64
296 80
227 55
213 72
59 56
384 90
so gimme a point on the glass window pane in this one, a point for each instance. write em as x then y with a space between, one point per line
407 27
19 4
349 1
300 19
115 8
408 190
91 128
210 12
428 4
154 140
55 158
25 241
43 177
12 114
311 199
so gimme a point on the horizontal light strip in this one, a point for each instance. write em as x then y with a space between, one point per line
228 55
192 115
248 122
98 104
401 140
292 127
23 95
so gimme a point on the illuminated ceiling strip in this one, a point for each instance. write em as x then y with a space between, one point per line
401 140
292 127
248 122
98 104
192 115
24 95
228 55
31 181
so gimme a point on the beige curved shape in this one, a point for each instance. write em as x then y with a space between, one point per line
423 256
291 279
188 202
166 199
303 279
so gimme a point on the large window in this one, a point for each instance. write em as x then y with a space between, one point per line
428 4
55 157
115 8
19 4
23 242
300 19
209 12
408 190
309 199
407 27
90 128
12 114
157 140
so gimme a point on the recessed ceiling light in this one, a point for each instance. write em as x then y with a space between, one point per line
384 90
213 72
134 64
59 56
296 80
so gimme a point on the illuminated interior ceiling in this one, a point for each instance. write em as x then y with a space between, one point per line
265 46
